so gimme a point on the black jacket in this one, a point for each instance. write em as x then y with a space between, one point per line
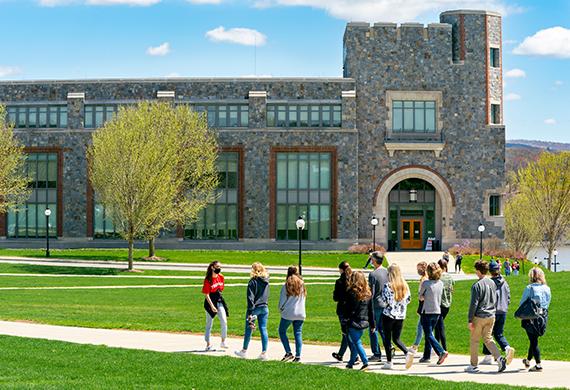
359 314
340 294
257 293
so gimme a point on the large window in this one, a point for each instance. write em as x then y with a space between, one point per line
495 205
219 221
495 55
304 189
304 115
225 115
97 114
413 116
495 114
102 223
28 220
38 116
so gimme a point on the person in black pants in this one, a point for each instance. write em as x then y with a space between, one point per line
458 260
446 297
340 297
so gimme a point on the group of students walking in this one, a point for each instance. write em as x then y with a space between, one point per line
380 303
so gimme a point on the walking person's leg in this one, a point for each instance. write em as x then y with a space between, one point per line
396 333
223 323
474 342
498 331
283 326
375 342
351 347
356 335
298 332
441 328
246 334
262 321
387 339
207 333
428 325
419 335
487 334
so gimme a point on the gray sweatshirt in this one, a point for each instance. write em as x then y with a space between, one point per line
483 299
503 294
377 279
292 307
257 293
431 291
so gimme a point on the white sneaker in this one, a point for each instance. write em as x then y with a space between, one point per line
263 356
409 359
209 348
471 369
241 353
487 360
510 355
223 345
387 366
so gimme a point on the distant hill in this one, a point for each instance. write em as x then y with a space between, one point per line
520 152
554 146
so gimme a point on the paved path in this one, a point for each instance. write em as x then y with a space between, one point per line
554 374
195 267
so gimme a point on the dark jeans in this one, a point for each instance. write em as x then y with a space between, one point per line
297 332
440 328
533 350
344 341
392 331
356 349
428 323
374 340
498 328
458 266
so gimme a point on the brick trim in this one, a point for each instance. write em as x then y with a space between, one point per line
386 177
462 37
59 215
272 183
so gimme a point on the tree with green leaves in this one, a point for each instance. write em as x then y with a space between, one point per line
521 232
153 167
545 184
14 188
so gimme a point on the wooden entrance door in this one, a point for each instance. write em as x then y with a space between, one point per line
411 234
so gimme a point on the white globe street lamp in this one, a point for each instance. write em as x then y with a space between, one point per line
481 229
47 213
300 223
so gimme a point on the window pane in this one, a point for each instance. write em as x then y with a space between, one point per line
326 116
397 119
315 120
281 116
244 116
304 116
419 119
430 120
223 116
233 120
292 171
271 116
337 116
32 117
292 116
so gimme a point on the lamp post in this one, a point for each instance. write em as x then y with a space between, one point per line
300 226
555 253
47 214
374 223
481 229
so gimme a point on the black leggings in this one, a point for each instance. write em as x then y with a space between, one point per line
439 331
533 350
392 331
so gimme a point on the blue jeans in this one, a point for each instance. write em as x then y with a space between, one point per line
498 329
419 332
356 348
262 313
297 331
428 324
374 340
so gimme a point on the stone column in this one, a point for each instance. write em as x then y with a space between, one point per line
257 109
75 104
349 109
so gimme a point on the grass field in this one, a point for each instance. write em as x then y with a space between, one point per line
180 309
28 363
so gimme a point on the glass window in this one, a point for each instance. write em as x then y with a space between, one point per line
303 189
103 226
37 116
235 115
495 205
28 220
495 55
313 115
96 115
495 114
413 116
220 220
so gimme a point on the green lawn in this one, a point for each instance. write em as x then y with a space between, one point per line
314 259
29 363
180 309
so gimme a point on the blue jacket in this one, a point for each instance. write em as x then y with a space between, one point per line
539 292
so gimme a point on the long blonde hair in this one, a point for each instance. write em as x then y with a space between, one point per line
294 284
258 271
397 282
359 286
536 275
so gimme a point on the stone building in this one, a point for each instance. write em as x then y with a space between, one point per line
412 133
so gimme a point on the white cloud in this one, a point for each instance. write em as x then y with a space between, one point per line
515 73
550 121
159 51
390 10
205 1
550 42
241 36
55 3
559 83
510 97
7 71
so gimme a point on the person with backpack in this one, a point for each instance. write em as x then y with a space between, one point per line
396 297
257 309
214 303
340 296
502 307
292 308
481 317
446 299
539 292
358 317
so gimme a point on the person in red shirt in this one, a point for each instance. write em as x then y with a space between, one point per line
214 303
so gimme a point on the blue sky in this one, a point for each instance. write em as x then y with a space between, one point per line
66 39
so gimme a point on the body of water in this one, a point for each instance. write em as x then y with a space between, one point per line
563 257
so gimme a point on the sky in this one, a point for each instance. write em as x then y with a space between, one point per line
77 39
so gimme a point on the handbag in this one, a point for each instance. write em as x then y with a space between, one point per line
529 309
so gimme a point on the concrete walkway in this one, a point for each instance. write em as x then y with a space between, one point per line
555 373
201 267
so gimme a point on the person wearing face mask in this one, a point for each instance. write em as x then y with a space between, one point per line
214 303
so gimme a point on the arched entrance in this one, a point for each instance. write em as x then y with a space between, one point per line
414 203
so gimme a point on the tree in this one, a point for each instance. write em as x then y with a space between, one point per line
546 185
521 232
13 181
151 166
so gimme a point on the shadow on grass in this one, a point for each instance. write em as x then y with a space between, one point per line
43 269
